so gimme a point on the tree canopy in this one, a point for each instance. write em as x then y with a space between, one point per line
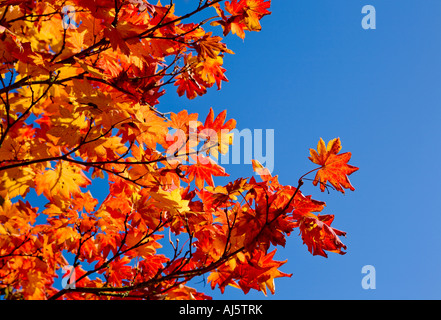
81 83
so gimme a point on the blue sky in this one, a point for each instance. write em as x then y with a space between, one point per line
313 72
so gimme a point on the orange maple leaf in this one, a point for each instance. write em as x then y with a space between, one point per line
245 15
223 137
304 206
211 46
254 11
64 180
187 84
203 170
334 166
259 169
218 123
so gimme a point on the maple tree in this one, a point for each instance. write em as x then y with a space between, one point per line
80 85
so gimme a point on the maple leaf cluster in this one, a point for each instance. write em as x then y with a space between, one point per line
79 93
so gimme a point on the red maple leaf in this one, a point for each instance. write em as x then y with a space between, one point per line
319 236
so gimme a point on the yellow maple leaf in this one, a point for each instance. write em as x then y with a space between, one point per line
64 180
17 181
170 201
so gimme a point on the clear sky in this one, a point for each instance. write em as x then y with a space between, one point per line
313 72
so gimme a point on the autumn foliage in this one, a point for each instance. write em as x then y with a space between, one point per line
80 86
